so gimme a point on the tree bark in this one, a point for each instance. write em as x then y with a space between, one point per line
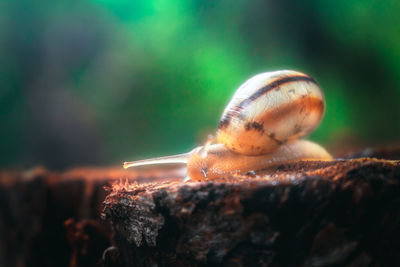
344 212
339 213
53 219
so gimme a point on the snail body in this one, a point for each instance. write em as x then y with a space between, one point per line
259 128
221 161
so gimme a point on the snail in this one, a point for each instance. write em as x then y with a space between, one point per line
259 128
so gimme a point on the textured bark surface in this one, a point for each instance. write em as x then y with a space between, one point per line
340 213
53 219
312 214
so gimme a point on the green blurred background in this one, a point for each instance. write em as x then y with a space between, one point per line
97 82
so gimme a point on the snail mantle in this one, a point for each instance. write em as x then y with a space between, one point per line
319 213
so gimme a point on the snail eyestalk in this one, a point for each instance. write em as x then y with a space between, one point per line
174 159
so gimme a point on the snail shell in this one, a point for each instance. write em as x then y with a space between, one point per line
259 128
270 109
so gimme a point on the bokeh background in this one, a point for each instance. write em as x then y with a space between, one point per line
98 82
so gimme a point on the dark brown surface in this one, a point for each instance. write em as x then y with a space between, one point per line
340 213
381 152
311 214
53 219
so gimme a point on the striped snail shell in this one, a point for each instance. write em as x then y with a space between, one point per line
259 128
270 109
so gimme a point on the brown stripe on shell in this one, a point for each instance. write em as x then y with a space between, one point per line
273 138
254 125
250 140
309 105
225 120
